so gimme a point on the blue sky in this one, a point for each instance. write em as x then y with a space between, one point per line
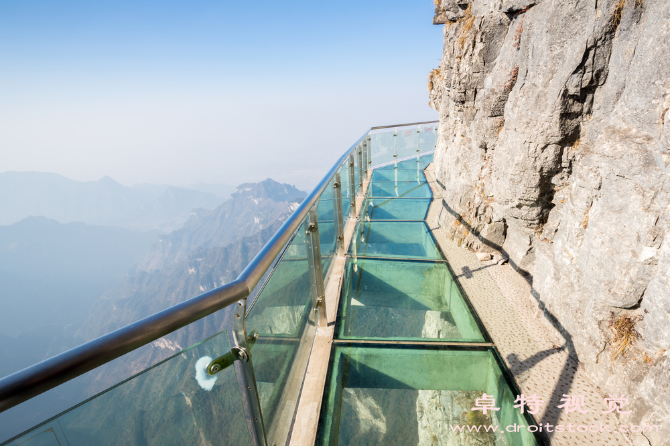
179 92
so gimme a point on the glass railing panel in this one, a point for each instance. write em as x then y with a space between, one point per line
283 317
382 146
394 239
173 402
428 137
411 164
346 195
408 141
394 209
415 175
327 231
393 395
400 189
404 300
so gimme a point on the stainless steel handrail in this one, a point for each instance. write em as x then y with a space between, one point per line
402 125
43 376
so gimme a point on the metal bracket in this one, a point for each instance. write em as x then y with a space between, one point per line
225 361
315 268
337 212
245 373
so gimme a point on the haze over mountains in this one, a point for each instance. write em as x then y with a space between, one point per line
104 202
67 283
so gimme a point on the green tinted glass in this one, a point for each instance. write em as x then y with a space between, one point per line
394 239
400 189
409 396
411 164
395 208
398 175
174 402
392 299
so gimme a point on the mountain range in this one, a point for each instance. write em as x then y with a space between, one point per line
104 202
131 274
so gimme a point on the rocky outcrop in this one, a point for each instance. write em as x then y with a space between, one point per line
553 152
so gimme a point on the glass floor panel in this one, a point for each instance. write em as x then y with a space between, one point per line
402 189
423 162
398 175
395 209
394 239
379 395
403 300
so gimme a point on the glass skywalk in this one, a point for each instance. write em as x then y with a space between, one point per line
409 356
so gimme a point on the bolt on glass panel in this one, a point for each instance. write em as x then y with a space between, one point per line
404 300
394 239
393 395
173 402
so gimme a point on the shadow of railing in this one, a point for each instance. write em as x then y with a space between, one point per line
569 370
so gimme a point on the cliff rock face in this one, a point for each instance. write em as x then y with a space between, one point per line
553 150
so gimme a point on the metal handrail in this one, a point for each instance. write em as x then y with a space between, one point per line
41 377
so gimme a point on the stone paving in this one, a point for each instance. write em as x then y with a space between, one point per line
534 351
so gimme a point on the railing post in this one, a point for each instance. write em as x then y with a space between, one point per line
395 147
418 153
369 154
352 187
360 167
245 375
365 157
337 213
315 268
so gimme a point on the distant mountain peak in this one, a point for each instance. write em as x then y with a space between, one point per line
107 180
271 189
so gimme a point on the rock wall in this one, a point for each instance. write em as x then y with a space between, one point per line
553 152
